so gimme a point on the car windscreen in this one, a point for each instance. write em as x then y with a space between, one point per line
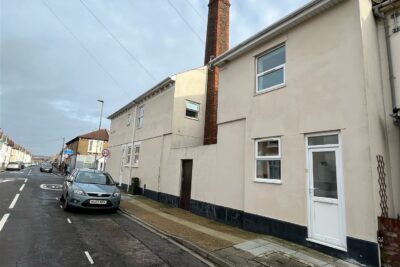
89 177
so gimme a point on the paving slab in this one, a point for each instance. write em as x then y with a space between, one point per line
233 246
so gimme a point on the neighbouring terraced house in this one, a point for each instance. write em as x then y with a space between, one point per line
280 134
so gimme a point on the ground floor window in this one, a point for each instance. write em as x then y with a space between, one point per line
268 160
136 154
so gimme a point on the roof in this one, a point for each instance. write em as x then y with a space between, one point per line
293 19
101 134
163 84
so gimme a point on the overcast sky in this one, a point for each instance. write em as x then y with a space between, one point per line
59 56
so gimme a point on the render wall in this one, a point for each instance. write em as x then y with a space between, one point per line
121 134
393 132
189 85
324 91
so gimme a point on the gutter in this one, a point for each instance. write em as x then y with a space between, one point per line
296 17
161 84
379 14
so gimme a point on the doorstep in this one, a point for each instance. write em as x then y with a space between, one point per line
220 243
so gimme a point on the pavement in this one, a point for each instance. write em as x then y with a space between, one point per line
36 231
222 244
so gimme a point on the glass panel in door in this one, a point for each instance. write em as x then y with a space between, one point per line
324 172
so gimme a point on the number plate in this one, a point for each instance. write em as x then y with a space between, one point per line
98 202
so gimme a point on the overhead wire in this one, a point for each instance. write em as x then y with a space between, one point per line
197 11
84 47
186 22
117 40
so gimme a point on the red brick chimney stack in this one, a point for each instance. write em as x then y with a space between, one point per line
217 42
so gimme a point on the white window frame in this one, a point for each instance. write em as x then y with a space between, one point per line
198 111
128 155
129 120
90 146
282 66
140 117
135 145
276 157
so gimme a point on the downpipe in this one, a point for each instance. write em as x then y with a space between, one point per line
396 110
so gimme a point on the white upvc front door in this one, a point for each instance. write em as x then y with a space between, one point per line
325 191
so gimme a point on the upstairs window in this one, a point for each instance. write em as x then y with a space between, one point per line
271 70
140 117
129 120
192 109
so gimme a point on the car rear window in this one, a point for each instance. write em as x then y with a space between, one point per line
89 177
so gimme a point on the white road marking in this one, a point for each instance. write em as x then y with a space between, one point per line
26 180
60 206
14 201
5 180
29 173
89 258
69 221
22 187
3 220
56 198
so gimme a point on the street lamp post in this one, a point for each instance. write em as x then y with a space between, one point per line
98 133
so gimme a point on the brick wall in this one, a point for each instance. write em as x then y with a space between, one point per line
217 42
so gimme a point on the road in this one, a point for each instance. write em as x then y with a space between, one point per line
35 231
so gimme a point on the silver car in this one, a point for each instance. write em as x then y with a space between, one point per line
90 189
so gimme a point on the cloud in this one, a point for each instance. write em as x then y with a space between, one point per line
50 79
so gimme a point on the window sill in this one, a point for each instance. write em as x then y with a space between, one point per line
267 181
273 88
190 118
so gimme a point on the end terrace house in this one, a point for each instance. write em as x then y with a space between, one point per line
303 110
167 116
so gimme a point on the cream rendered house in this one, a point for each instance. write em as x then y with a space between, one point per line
168 116
304 108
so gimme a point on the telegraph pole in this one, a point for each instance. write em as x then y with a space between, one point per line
98 133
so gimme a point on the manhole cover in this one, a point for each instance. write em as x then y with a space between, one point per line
57 187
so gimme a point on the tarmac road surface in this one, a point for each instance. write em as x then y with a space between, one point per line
35 231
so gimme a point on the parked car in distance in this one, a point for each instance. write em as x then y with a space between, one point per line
90 189
21 164
14 166
45 167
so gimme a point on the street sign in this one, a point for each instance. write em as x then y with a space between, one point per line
105 153
68 152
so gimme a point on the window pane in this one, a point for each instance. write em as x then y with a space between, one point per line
269 169
324 174
268 148
271 60
270 79
191 113
141 111
323 140
192 106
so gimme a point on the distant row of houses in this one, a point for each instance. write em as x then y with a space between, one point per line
86 150
11 151
280 134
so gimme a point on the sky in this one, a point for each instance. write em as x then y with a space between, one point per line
58 57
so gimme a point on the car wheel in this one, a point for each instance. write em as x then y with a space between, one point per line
66 206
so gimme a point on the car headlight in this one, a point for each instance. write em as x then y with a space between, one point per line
117 194
79 192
